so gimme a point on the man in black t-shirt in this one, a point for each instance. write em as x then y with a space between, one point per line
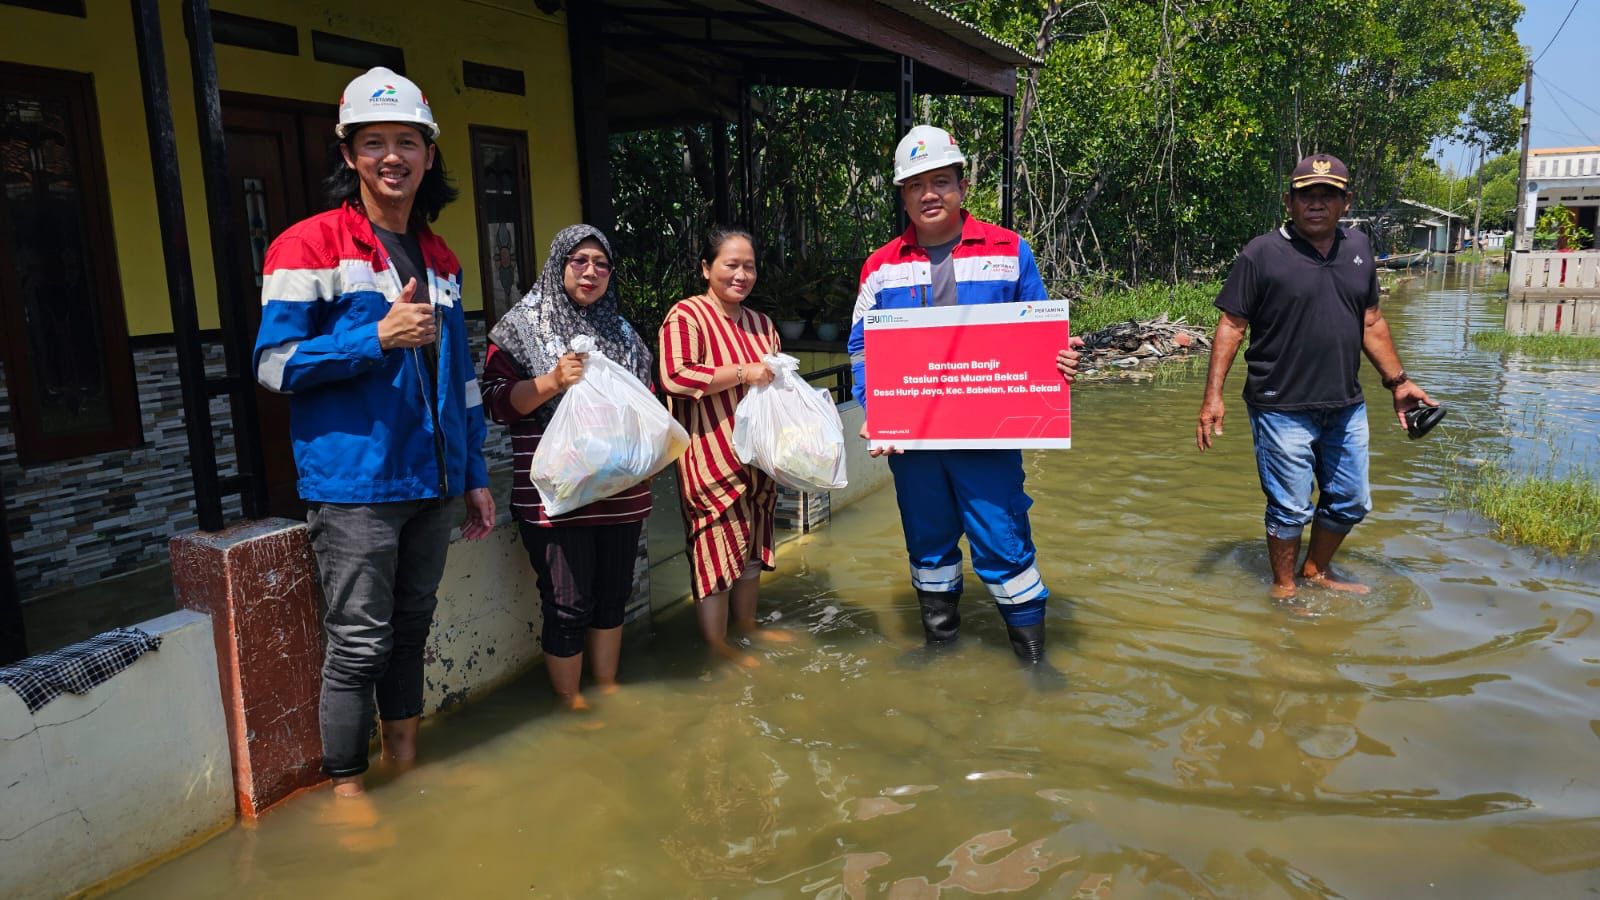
1308 293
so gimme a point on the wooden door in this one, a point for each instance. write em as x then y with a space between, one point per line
277 157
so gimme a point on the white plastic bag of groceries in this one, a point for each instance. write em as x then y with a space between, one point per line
608 434
791 430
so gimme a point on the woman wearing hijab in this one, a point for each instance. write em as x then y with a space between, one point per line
584 559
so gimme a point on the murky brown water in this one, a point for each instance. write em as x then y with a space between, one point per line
1437 738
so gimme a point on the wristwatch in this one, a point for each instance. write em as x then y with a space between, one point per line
1396 381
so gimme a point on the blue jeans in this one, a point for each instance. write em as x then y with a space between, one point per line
1299 450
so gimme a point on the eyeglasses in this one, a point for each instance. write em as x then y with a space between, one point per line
579 263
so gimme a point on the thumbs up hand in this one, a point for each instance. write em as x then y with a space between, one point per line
408 324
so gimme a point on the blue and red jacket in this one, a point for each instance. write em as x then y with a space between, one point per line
359 416
993 265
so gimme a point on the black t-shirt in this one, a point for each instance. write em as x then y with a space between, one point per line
1307 316
405 252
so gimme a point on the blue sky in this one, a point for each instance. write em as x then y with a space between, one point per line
1566 79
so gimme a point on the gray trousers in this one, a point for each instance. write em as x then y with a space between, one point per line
380 566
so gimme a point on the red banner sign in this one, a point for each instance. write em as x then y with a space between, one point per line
967 377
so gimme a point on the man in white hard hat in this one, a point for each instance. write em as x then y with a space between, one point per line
946 493
361 323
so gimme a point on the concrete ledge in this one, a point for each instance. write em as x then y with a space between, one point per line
486 628
95 784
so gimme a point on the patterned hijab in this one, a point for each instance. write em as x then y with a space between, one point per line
538 329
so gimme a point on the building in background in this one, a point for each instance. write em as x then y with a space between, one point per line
1565 176
99 465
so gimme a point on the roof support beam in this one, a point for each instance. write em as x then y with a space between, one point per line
589 109
1008 163
905 109
901 34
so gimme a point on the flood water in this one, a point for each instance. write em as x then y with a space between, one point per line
1439 737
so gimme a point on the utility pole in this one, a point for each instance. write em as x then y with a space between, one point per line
1477 208
1524 234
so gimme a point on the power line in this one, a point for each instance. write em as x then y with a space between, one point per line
1548 130
1559 29
1573 121
1568 94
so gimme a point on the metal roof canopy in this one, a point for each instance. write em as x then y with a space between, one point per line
676 62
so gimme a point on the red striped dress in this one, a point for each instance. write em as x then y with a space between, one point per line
727 505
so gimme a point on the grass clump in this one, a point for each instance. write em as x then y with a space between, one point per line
1190 301
1560 514
1539 344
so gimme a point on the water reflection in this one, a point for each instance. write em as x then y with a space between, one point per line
1436 737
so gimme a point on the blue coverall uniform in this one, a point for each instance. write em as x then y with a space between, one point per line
946 493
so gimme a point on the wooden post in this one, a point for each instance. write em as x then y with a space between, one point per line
237 340
1523 238
587 54
722 200
174 228
1008 164
904 109
747 162
1477 208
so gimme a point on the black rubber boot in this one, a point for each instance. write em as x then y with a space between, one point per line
1027 641
941 620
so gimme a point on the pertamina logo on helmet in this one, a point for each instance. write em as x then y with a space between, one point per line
384 94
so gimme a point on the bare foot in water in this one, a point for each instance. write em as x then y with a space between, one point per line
608 688
576 703
354 819
726 651
1325 579
771 635
1284 598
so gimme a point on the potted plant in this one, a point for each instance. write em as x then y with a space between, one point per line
789 295
833 319
1557 229
790 312
838 303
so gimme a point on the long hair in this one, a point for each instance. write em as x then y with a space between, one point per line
343 185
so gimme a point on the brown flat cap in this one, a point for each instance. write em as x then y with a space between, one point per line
1320 168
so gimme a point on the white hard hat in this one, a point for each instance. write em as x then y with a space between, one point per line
381 95
923 149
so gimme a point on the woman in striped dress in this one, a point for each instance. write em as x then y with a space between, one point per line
711 350
583 559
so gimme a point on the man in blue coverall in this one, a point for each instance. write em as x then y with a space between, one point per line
948 257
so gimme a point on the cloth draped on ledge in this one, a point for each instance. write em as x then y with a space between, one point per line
76 668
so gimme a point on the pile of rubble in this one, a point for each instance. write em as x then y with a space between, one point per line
1131 345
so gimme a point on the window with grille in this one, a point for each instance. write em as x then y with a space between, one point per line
505 223
65 346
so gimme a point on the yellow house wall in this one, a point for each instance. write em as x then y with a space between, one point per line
435 36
